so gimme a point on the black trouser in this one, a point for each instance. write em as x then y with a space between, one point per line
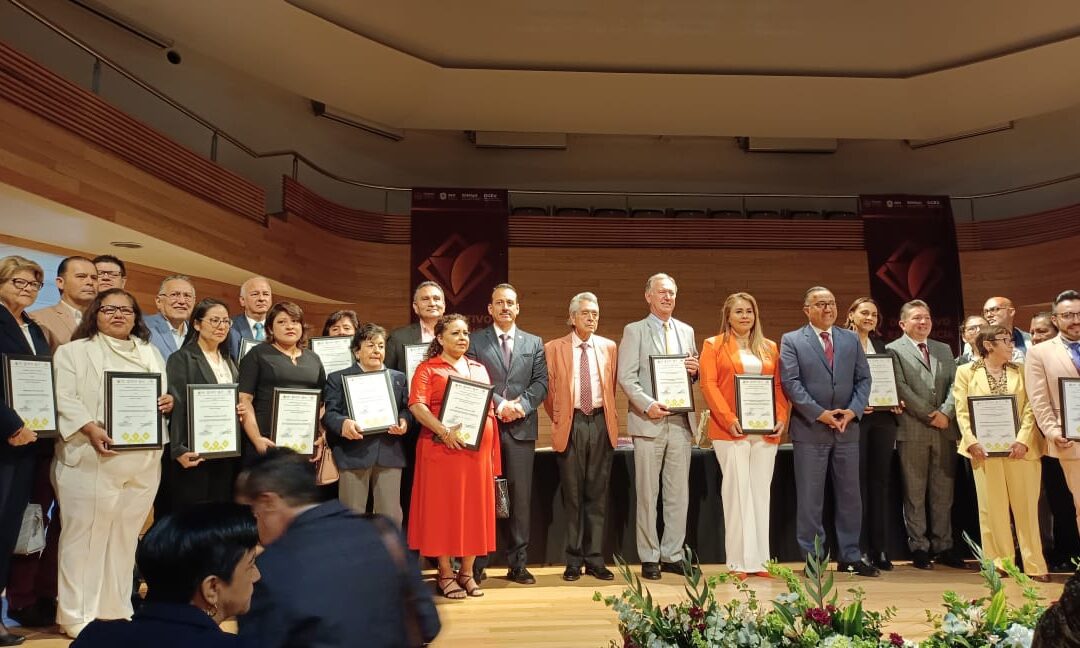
16 480
584 471
877 438
517 465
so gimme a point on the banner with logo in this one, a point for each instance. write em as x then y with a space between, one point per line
460 239
911 252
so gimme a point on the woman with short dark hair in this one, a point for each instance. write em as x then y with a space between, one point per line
341 323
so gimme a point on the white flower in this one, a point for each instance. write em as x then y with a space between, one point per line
837 641
787 598
1018 636
952 624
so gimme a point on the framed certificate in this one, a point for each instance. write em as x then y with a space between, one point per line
994 422
295 419
211 417
334 352
671 383
132 418
1070 407
755 403
245 346
371 401
28 387
883 395
414 355
468 403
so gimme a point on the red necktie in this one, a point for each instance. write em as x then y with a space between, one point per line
925 353
828 347
584 382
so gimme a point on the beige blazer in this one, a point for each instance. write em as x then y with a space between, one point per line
559 403
973 382
57 322
1044 365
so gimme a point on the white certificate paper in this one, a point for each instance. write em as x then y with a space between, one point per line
755 403
466 402
29 389
671 383
212 424
334 352
131 410
295 419
883 394
370 397
414 355
1070 407
994 422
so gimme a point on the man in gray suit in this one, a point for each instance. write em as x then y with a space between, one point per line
926 440
662 440
827 379
517 367
174 301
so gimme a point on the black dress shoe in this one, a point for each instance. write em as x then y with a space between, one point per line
859 568
949 559
31 616
479 575
571 573
650 570
882 562
521 576
921 560
1063 567
8 639
601 572
671 568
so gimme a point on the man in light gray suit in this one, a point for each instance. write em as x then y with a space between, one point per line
168 327
662 440
926 440
516 364
827 379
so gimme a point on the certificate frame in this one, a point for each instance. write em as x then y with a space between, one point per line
410 367
881 402
338 358
382 375
683 400
149 442
43 423
754 427
455 383
994 448
308 448
190 405
1069 398
246 345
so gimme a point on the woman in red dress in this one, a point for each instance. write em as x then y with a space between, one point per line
453 496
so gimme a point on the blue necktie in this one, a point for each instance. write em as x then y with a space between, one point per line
1074 351
259 335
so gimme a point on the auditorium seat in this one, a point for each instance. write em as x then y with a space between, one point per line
573 212
841 215
648 213
725 213
689 213
609 212
805 214
530 211
762 213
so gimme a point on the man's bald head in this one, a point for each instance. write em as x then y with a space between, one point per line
256 298
999 311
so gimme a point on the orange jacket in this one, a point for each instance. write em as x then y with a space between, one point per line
720 363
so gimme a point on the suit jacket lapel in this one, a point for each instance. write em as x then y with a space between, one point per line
1068 369
912 351
208 377
815 344
733 352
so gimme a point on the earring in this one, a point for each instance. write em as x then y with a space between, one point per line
211 611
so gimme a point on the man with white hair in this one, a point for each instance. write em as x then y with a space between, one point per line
256 298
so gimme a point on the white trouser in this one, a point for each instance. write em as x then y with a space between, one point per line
747 469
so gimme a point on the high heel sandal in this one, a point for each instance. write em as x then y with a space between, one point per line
465 580
456 593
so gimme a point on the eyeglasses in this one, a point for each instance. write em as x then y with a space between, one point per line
215 322
1068 316
822 305
23 284
108 274
109 311
176 296
994 309
1005 341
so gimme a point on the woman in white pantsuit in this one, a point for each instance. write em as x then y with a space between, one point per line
746 460
105 496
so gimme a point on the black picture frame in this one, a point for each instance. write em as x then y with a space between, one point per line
451 381
678 409
972 405
47 432
190 407
152 443
744 378
282 391
390 391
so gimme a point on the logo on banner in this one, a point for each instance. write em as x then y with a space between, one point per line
459 267
912 271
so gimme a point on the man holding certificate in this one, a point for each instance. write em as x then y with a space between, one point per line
998 434
926 440
662 439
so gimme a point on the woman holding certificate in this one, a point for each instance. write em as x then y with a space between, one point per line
998 435
452 512
205 472
740 378
20 281
110 393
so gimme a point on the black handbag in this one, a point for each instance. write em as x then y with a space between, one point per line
502 498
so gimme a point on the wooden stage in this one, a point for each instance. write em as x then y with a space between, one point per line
554 613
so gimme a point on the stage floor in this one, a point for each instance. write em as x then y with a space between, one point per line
553 613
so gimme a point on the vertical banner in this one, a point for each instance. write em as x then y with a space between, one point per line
911 252
460 239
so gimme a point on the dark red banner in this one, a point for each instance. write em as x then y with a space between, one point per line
460 239
911 252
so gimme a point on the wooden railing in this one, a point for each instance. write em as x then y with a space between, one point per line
1019 231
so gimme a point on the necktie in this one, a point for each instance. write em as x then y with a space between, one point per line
828 347
667 340
505 349
1074 351
925 353
584 382
260 335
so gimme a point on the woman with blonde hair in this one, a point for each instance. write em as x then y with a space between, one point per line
746 459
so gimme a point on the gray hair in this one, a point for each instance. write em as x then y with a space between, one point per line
427 284
244 286
657 277
575 304
175 277
806 296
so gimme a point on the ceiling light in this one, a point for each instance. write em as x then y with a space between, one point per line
342 117
128 245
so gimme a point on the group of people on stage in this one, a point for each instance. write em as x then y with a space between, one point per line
421 474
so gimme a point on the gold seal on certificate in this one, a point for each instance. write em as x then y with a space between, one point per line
883 394
467 403
1069 389
28 387
371 402
333 351
994 422
212 426
414 355
755 403
671 383
245 346
132 418
295 419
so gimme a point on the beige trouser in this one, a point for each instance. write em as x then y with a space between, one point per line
1002 484
104 502
384 484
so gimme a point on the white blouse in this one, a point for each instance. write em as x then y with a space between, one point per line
750 362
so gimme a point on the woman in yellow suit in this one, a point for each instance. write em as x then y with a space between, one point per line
1014 479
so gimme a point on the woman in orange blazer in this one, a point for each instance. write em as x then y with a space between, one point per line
746 460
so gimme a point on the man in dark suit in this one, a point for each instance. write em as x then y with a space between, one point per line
429 304
827 379
329 577
926 440
256 299
515 362
168 327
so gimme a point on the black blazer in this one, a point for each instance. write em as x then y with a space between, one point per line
329 581
395 345
382 449
13 341
161 625
188 366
